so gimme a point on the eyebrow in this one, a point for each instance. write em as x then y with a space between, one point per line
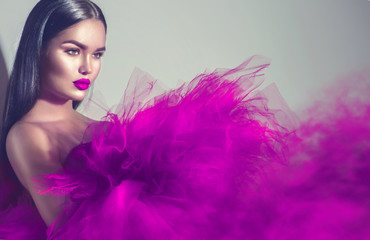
80 45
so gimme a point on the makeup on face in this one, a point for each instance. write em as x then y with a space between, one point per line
82 84
72 61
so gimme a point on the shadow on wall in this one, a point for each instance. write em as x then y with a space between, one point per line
3 84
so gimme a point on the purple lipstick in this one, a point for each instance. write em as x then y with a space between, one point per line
82 84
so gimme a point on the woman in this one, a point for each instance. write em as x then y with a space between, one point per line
165 167
59 56
205 161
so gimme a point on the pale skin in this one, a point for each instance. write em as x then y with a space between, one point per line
40 142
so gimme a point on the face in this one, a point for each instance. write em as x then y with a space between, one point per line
72 61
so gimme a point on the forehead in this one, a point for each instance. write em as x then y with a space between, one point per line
90 32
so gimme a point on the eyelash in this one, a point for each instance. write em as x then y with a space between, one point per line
98 55
75 52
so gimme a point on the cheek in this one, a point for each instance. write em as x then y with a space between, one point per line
97 67
58 66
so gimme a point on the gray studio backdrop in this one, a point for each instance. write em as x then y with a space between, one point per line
309 42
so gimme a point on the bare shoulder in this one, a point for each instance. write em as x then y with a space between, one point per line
28 137
30 151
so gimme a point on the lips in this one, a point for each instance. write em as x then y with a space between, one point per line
82 84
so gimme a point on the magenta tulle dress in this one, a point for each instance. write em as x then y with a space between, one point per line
212 160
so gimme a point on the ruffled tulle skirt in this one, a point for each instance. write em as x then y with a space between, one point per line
210 160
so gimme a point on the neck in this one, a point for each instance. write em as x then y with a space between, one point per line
46 111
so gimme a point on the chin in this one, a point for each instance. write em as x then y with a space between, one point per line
78 97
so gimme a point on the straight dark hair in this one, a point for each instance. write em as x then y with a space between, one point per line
46 20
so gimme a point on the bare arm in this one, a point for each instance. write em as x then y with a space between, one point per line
30 153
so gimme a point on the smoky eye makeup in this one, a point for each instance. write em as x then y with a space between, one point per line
72 51
74 48
98 55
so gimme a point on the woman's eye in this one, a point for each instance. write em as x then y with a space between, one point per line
98 55
73 52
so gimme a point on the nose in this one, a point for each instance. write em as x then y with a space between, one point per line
85 67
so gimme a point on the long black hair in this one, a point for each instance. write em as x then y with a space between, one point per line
46 20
